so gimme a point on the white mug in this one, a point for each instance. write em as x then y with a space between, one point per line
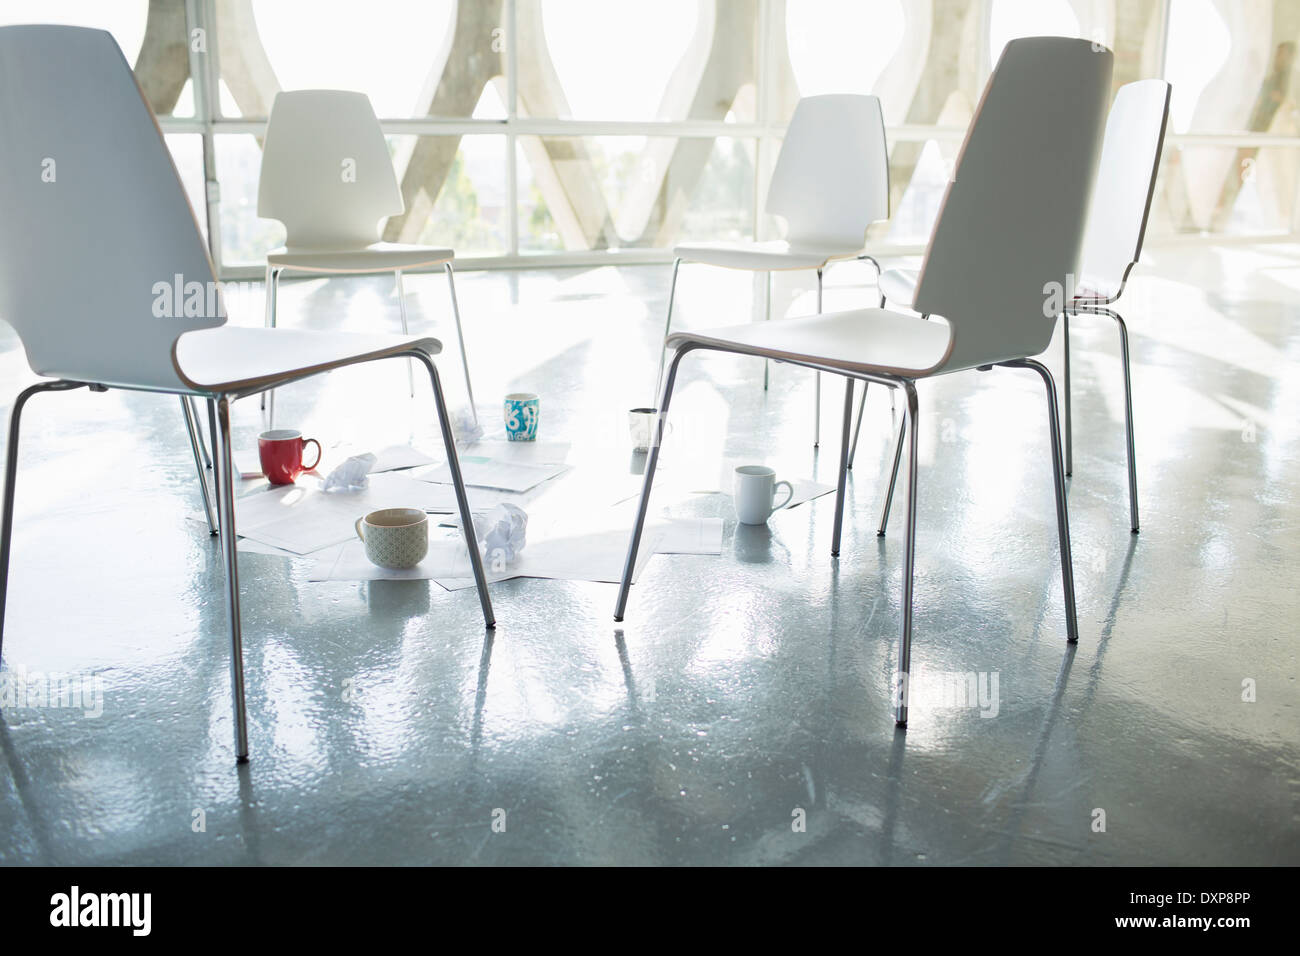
755 488
642 423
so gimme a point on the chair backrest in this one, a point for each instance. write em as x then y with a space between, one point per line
95 229
326 171
1012 220
1126 181
831 179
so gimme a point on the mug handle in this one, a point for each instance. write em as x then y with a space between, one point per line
305 443
788 498
357 526
654 427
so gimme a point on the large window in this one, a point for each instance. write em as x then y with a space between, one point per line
572 130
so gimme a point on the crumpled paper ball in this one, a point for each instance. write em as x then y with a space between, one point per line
464 427
501 533
352 475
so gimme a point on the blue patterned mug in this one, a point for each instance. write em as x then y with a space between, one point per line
522 409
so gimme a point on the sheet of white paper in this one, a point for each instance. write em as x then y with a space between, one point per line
398 456
247 465
249 546
305 531
301 518
689 536
349 563
806 490
492 473
523 452
588 557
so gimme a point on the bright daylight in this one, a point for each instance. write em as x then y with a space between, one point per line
700 433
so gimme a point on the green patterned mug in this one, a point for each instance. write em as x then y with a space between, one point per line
395 538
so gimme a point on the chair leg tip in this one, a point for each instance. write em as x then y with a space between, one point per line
241 758
900 724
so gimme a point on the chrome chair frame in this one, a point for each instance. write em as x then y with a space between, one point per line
1083 305
223 521
910 418
817 410
1088 305
272 289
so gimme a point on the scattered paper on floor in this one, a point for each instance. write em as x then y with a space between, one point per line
483 472
588 557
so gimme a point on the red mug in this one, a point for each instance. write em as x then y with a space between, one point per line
281 452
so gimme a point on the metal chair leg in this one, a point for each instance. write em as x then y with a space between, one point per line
458 483
910 412
652 462
272 286
1065 389
892 407
668 324
198 431
893 476
212 430
857 430
406 330
11 473
1128 421
460 340
1062 513
230 556
844 467
817 386
1131 449
187 409
767 316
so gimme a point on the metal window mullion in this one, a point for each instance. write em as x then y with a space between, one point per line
197 17
985 33
1162 57
209 123
512 115
762 109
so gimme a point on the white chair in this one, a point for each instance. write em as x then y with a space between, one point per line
830 183
88 261
328 178
1117 219
1011 222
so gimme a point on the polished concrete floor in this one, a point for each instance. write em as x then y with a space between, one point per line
741 714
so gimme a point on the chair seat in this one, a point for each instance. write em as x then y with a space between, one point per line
234 360
862 340
1094 291
760 256
899 286
376 257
